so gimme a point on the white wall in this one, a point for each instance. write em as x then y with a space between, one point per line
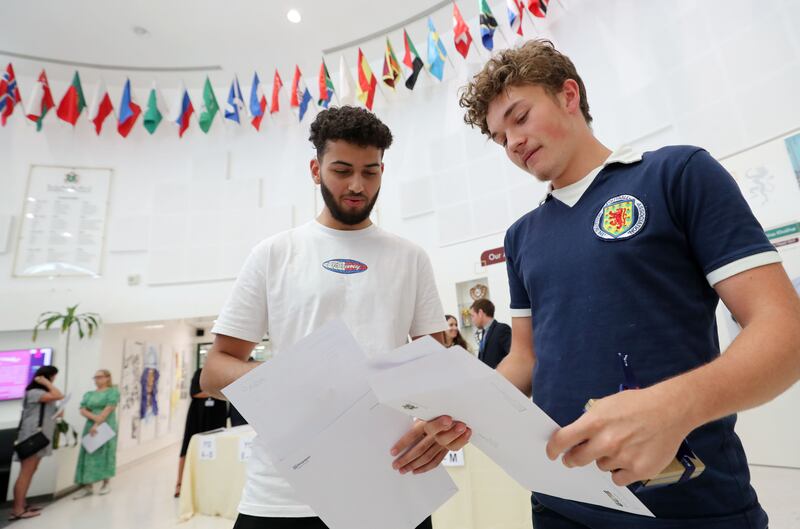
721 74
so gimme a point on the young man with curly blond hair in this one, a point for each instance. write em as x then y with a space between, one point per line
629 254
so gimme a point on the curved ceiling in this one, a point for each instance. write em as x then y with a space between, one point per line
233 36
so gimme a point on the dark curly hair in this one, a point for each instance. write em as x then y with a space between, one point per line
351 124
536 62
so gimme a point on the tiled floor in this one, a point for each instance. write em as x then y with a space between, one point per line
141 498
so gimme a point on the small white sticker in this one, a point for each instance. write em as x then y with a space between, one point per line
245 448
208 448
454 459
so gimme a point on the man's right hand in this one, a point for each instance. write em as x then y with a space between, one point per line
424 446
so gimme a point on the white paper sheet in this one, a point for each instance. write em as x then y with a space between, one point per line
425 380
332 440
92 442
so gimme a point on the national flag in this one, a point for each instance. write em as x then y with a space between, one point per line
462 38
209 108
347 94
182 110
152 115
101 107
325 86
128 111
73 102
301 97
234 107
515 11
412 60
9 94
391 67
436 52
488 25
367 82
40 102
277 84
258 103
538 7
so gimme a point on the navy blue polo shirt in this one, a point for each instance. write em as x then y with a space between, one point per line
628 265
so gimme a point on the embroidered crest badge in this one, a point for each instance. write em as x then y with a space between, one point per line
621 217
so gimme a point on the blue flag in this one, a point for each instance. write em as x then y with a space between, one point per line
235 104
255 101
304 101
436 52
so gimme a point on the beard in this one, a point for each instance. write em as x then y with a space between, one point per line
350 218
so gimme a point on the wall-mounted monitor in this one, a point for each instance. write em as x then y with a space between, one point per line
17 368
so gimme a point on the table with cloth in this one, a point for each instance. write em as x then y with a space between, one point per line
487 497
213 485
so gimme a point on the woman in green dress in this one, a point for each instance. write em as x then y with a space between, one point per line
98 407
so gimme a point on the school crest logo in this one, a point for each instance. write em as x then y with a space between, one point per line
345 266
621 217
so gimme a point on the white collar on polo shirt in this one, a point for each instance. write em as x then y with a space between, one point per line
571 194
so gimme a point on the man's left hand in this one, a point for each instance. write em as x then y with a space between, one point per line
633 434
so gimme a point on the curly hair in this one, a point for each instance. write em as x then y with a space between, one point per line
536 62
351 124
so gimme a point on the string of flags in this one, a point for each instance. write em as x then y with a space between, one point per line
73 102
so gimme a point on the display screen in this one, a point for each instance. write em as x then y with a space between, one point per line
17 369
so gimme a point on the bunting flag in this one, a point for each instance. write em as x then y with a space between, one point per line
101 107
234 107
488 25
462 38
258 103
182 110
277 84
128 111
301 97
325 86
412 60
40 102
515 10
9 94
436 52
538 7
73 102
366 81
391 68
152 115
347 94
208 109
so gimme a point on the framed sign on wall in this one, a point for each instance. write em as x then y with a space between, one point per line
63 222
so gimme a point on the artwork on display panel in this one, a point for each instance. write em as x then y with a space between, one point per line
767 177
130 390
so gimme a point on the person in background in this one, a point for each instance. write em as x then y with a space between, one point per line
205 413
494 338
452 336
98 406
39 402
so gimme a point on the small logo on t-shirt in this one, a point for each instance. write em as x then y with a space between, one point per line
344 266
621 217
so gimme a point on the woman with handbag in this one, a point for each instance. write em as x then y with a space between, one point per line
36 428
98 407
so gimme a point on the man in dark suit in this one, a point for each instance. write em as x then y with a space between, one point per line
494 338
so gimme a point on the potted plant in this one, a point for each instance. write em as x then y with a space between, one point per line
86 323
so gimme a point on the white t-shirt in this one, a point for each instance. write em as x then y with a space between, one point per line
380 285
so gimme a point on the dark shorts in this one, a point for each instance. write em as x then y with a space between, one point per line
245 521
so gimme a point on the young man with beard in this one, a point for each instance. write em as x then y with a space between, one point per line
630 253
337 266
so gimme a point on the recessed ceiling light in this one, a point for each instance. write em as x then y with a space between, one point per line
294 16
139 31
